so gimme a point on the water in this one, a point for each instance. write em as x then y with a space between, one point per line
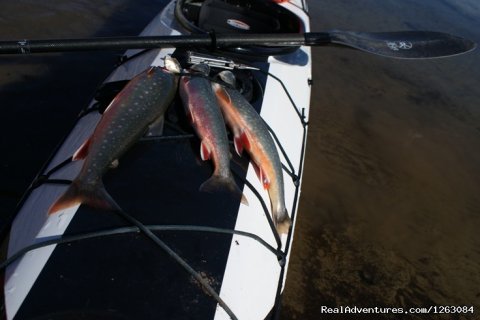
390 204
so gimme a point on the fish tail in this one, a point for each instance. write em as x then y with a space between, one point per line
217 183
282 221
94 196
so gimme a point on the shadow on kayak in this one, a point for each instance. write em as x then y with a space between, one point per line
42 95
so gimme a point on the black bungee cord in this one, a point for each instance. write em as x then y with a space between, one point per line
148 230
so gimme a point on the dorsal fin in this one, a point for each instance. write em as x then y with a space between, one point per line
82 152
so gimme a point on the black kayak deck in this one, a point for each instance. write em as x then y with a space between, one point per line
126 276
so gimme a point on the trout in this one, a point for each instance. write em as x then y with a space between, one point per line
251 134
206 118
142 102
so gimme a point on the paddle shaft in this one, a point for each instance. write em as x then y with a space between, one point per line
399 44
177 41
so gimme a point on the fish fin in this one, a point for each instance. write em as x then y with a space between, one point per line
70 198
282 221
155 129
237 141
218 183
245 140
241 141
261 176
96 197
151 71
82 152
205 152
244 200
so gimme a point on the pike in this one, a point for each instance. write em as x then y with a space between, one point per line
139 105
206 118
250 133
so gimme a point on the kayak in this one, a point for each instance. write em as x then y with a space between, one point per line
218 258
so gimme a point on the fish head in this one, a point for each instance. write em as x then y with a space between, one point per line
228 77
200 68
172 64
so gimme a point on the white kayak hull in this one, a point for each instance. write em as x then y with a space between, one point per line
252 278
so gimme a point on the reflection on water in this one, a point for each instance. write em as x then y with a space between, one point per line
390 205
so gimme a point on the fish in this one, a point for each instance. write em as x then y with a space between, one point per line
206 118
141 103
251 134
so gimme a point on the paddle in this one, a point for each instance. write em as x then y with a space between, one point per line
403 44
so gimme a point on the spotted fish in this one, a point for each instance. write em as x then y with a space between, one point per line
206 118
142 102
250 133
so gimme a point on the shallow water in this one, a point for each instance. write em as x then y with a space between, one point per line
390 204
390 207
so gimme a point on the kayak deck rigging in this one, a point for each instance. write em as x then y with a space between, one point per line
103 97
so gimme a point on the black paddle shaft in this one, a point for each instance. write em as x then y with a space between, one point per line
406 44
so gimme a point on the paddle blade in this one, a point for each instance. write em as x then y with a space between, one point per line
404 44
